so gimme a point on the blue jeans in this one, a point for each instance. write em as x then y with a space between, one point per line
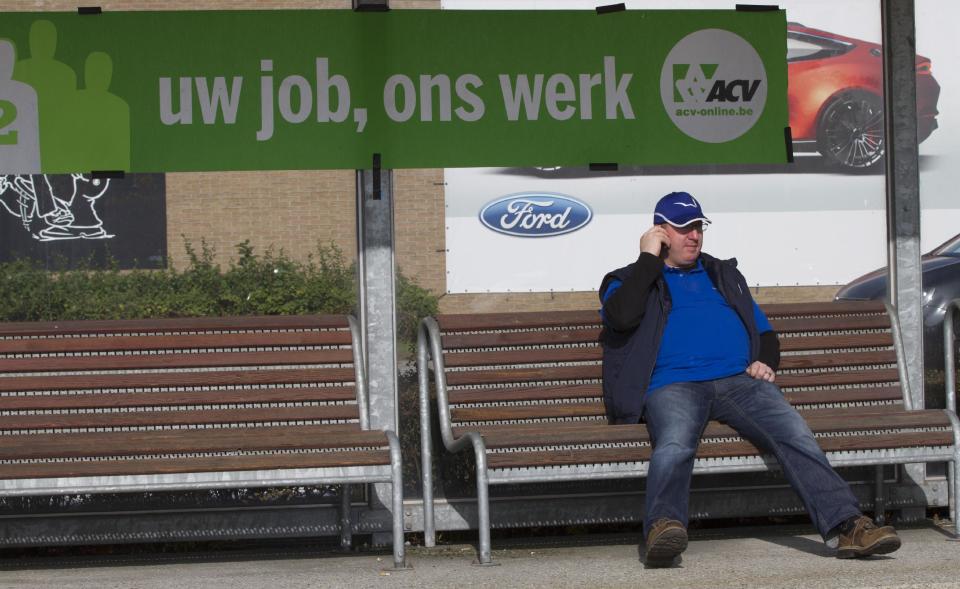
676 415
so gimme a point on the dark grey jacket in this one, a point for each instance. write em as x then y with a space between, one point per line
634 319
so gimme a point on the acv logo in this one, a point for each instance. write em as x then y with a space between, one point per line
692 82
535 214
709 101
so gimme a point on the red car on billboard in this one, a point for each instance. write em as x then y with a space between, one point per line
835 97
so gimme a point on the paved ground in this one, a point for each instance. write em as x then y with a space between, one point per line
741 557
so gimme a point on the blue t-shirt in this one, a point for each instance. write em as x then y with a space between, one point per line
704 338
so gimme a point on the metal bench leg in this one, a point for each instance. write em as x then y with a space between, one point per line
879 499
346 527
484 557
953 475
483 514
426 445
396 468
953 483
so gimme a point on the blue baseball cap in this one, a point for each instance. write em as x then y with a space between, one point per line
679 209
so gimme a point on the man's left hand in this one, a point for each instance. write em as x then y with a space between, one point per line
761 371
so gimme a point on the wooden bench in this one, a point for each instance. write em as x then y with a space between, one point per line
523 390
189 404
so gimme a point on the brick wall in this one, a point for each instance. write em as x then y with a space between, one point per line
292 211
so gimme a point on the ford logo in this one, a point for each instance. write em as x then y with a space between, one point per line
535 214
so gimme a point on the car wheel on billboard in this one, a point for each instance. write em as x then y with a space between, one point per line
850 131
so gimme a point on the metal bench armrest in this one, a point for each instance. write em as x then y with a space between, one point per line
360 373
901 359
429 349
949 358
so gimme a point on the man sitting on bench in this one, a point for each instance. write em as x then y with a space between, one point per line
684 343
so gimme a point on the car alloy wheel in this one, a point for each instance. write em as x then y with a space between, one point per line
850 132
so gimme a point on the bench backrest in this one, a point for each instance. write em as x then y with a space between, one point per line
130 375
542 367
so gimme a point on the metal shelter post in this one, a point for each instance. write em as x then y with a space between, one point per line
903 183
903 194
377 302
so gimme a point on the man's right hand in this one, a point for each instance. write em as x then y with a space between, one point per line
653 240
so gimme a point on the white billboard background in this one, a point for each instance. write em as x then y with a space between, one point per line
814 227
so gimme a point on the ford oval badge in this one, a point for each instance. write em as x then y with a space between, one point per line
535 214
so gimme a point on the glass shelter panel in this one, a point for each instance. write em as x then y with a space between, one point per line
937 55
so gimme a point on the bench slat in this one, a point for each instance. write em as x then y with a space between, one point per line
801 343
172 361
527 320
177 379
518 412
139 466
534 320
183 418
594 391
772 310
578 354
173 342
839 323
788 342
480 377
217 397
837 360
595 353
849 377
520 338
39 446
248 322
599 433
593 372
851 395
530 428
520 436
853 420
580 391
711 450
596 409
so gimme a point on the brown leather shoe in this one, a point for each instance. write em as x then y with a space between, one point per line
666 540
866 539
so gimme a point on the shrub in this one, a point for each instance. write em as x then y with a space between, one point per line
267 284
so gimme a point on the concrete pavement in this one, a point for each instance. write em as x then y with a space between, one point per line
737 557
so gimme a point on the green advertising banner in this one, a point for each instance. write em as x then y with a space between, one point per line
323 89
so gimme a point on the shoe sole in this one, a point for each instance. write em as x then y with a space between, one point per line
668 545
884 545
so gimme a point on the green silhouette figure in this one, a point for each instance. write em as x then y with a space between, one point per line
19 126
100 130
55 83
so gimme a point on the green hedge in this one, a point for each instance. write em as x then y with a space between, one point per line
267 284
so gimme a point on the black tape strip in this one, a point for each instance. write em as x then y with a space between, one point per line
611 8
371 6
788 139
377 192
108 174
603 167
757 7
89 10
